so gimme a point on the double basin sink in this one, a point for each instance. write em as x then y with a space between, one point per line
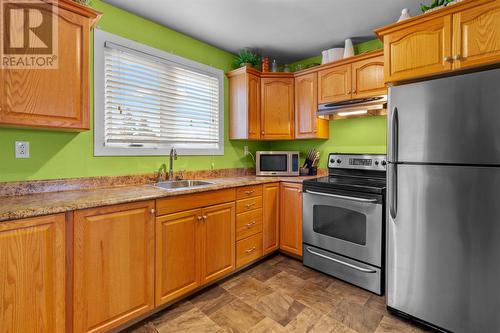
182 184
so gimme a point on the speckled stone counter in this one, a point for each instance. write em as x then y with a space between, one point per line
22 206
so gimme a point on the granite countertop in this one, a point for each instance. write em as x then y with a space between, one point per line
24 206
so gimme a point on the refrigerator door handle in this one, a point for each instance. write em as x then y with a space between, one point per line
394 136
393 195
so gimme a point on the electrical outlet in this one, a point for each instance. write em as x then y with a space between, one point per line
245 150
22 149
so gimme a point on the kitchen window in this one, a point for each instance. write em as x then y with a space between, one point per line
148 100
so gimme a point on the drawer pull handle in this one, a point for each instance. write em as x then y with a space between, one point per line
249 192
250 250
249 225
250 205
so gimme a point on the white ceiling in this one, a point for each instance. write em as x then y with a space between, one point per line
288 30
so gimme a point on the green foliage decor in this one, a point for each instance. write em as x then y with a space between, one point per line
246 57
434 4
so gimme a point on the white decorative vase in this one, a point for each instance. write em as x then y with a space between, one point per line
348 48
324 57
405 14
335 54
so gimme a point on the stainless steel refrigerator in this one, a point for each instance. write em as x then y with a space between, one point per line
443 227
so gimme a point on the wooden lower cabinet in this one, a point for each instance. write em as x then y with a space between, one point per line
249 249
291 218
178 254
270 217
193 248
113 255
218 239
32 275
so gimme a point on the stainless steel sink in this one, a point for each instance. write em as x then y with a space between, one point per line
179 184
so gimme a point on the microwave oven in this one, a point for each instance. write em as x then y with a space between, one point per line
277 163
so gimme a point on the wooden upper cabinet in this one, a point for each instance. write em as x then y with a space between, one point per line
368 77
218 241
244 104
277 108
53 98
419 50
178 253
334 84
307 123
270 217
459 36
113 254
32 275
476 35
291 218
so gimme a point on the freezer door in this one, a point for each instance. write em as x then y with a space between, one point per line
444 246
453 120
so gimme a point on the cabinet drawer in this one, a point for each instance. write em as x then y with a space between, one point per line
248 250
249 204
248 223
191 201
248 191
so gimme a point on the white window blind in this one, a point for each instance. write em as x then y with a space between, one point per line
152 103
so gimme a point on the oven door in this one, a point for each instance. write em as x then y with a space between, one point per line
346 223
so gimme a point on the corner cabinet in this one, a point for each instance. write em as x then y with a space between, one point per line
291 218
33 275
277 108
273 106
460 36
113 270
54 98
270 217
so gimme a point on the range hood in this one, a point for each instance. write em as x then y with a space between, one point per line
354 106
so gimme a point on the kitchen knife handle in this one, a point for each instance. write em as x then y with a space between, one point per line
393 190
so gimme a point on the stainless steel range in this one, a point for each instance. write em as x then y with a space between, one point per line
343 220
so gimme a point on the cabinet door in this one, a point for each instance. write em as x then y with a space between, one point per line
253 105
306 106
113 265
52 98
277 108
368 78
291 218
218 241
419 50
476 36
334 84
32 275
178 249
270 217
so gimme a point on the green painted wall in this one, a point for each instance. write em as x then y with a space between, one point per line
62 155
356 135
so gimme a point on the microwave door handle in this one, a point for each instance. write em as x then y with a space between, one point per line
361 269
342 197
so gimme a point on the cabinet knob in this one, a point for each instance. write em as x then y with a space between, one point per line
262 132
354 91
349 92
457 57
152 211
447 59
205 217
199 218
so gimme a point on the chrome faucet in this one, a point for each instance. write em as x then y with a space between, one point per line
173 156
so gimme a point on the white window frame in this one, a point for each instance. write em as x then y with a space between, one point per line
100 149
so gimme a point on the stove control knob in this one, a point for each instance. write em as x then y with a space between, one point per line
332 160
384 163
376 163
339 161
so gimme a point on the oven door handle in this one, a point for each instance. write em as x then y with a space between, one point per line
342 197
361 269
